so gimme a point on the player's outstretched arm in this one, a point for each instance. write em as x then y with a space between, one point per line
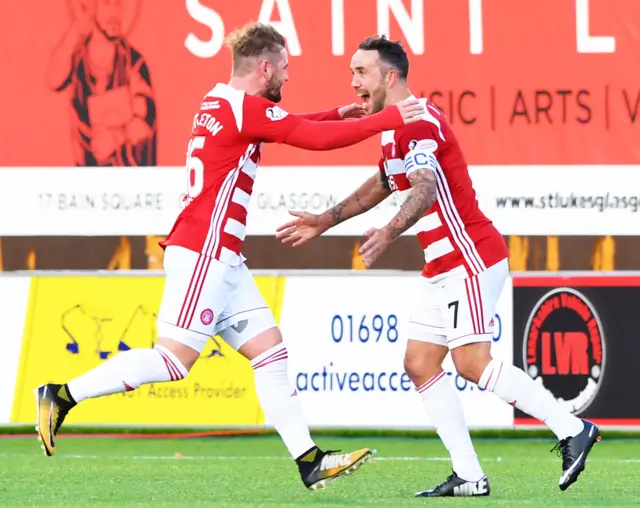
307 225
311 135
422 195
353 110
371 193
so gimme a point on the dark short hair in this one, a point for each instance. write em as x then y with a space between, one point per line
390 52
254 40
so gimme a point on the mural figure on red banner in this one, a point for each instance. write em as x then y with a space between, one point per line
113 108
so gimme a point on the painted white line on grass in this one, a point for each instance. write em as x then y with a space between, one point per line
274 457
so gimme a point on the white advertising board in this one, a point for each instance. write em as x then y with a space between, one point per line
14 299
346 338
521 200
89 201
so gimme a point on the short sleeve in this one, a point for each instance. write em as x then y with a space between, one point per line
418 146
265 121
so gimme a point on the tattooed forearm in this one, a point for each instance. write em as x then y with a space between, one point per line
336 212
363 206
422 196
368 195
353 205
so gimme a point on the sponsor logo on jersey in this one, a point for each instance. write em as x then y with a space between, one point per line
564 348
424 145
276 113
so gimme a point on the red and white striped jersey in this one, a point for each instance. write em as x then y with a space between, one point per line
459 241
222 160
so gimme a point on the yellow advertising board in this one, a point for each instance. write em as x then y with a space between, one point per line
75 323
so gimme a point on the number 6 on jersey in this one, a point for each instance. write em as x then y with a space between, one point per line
195 168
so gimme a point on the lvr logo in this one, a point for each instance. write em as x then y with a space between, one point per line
564 348
565 353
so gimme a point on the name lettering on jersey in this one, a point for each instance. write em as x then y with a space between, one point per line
207 121
276 113
206 106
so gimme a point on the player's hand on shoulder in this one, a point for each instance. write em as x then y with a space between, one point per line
303 228
411 110
353 110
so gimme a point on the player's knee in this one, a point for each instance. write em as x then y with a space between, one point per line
468 371
471 360
419 368
412 366
184 354
261 342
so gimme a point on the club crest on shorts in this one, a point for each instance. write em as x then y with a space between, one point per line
206 316
564 348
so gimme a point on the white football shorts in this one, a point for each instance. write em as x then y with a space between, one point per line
204 297
459 312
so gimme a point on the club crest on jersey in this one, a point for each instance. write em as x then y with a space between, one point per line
276 113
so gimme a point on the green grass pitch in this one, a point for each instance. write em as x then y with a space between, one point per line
256 471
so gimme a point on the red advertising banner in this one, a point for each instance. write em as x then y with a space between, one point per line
93 82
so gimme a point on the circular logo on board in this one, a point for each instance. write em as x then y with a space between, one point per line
206 316
564 348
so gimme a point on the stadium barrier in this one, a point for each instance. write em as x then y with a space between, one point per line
345 332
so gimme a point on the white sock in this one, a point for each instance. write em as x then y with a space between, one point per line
515 387
278 400
126 371
445 411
